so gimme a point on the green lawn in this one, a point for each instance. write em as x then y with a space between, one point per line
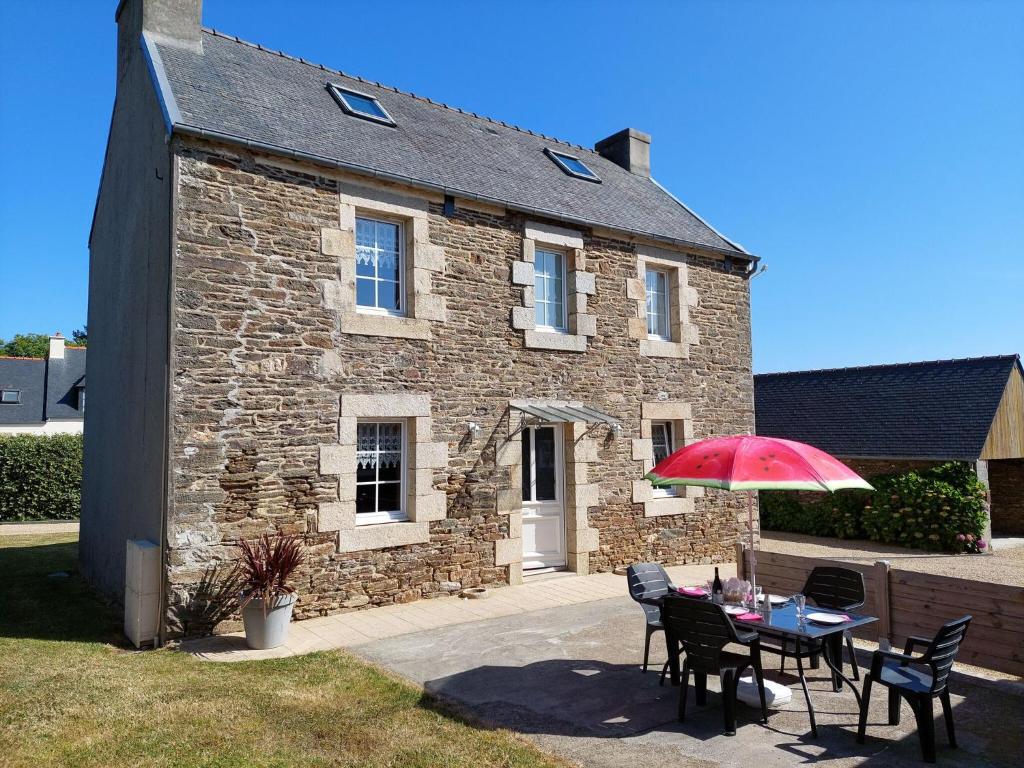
71 693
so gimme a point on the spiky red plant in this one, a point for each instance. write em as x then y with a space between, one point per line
266 566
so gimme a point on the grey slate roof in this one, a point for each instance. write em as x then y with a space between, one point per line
941 409
237 91
27 375
63 377
49 388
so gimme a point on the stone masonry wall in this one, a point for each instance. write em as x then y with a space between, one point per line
259 366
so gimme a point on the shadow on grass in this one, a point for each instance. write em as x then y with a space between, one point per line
44 597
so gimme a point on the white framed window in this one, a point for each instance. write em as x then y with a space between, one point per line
663 440
10 396
380 266
549 290
380 472
658 305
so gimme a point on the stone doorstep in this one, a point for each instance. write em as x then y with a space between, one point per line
347 630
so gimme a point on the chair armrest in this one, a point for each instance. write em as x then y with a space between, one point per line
914 640
655 601
877 656
745 638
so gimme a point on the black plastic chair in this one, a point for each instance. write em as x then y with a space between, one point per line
648 585
906 677
840 589
704 629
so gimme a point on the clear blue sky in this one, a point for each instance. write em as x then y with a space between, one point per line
871 153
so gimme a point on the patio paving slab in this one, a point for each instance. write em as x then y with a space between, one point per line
346 630
568 678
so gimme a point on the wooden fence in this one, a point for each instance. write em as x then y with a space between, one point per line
913 603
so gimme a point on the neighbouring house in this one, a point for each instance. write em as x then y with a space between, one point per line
43 395
442 349
891 418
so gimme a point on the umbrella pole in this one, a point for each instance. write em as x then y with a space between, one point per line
753 559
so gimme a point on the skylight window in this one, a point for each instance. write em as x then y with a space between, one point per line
572 165
361 105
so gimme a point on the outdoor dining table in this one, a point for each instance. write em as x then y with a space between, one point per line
784 624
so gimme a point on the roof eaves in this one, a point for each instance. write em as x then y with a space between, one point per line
164 93
878 366
204 133
703 221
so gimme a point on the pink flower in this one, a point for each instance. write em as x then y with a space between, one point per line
981 544
961 537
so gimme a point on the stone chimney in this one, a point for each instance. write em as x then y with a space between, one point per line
173 21
56 347
629 148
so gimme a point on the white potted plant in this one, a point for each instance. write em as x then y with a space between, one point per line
267 598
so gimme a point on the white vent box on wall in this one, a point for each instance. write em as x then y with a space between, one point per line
141 591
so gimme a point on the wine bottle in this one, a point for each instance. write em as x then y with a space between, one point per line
717 594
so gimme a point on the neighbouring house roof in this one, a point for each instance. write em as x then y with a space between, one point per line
49 388
941 409
239 92
27 375
63 380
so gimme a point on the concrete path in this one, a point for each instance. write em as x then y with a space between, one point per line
42 528
568 678
557 659
347 630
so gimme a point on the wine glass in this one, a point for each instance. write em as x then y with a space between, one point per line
800 601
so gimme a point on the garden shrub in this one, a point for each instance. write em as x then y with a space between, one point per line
40 477
942 509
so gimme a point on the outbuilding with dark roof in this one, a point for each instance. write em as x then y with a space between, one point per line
883 417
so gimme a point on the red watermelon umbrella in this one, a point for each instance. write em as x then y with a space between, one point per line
751 463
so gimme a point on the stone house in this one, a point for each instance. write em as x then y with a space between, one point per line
882 419
442 349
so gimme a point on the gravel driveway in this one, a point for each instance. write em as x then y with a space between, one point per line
1004 566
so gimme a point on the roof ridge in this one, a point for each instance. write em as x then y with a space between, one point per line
358 78
875 366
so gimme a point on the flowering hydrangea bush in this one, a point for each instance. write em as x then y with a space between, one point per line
942 509
928 510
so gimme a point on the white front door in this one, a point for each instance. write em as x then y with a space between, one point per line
543 498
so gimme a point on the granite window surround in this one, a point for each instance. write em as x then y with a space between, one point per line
423 456
422 260
679 500
682 332
579 284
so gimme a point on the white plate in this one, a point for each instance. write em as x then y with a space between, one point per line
826 618
777 599
735 610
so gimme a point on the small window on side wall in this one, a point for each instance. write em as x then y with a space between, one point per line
658 305
380 266
549 290
10 396
380 472
663 441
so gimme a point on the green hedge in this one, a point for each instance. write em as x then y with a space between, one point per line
940 509
40 477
